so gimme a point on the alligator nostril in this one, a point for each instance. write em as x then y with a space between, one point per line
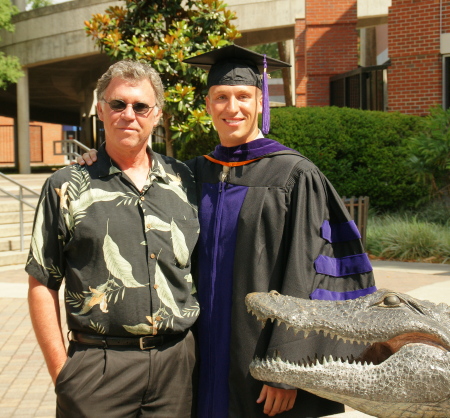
274 292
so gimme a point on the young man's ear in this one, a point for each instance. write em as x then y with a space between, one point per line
260 101
207 104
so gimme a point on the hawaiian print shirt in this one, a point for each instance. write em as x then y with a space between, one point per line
125 254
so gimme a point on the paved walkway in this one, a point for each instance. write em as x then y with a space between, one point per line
25 386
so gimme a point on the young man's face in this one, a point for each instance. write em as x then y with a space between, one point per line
234 111
127 130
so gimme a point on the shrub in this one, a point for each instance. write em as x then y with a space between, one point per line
430 149
198 146
436 211
361 152
405 238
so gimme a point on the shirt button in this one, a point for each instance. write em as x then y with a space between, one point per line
142 198
148 226
152 255
155 286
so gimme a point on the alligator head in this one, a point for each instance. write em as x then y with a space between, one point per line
404 372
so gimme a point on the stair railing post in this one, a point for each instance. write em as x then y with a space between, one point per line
21 218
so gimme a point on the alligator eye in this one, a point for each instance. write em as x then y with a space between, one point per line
392 300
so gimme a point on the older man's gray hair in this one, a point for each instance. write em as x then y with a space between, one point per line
132 71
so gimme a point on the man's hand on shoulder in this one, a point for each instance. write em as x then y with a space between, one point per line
277 400
88 158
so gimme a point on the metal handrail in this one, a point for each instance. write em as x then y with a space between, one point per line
70 148
22 202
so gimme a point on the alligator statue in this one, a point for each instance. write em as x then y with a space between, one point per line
403 372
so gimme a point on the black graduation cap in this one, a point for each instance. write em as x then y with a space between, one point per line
233 65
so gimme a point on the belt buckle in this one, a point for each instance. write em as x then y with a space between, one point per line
141 343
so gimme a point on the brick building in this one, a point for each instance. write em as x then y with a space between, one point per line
412 40
42 138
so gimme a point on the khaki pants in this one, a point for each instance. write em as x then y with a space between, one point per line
127 382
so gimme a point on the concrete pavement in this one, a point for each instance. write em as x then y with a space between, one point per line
26 389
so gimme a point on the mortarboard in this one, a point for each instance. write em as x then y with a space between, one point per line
233 65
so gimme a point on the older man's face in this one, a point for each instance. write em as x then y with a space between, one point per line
127 130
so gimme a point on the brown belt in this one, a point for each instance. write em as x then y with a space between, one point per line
144 343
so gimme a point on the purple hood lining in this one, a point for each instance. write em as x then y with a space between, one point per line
258 148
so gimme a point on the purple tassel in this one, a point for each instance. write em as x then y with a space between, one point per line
266 105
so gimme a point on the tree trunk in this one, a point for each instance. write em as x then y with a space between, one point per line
284 56
167 138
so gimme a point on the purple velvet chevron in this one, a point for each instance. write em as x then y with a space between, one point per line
340 232
344 266
323 294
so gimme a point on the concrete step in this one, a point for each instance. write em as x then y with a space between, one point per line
10 254
32 181
13 243
11 258
13 230
14 217
13 205
8 204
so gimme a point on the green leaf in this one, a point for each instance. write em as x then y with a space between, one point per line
164 292
78 207
153 222
117 265
139 329
180 249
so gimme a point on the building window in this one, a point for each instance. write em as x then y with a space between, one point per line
446 82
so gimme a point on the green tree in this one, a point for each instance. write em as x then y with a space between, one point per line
36 4
271 50
10 68
430 152
165 32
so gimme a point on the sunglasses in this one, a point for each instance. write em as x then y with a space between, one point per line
120 106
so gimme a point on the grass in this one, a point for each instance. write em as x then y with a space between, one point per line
423 236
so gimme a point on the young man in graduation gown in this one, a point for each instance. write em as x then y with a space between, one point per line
269 220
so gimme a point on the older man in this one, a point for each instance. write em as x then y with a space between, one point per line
269 220
121 233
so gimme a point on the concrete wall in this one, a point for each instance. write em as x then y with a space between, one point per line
373 8
52 33
57 32
264 14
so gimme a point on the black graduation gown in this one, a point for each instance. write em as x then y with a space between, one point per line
263 229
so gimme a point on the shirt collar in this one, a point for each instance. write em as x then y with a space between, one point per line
107 167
